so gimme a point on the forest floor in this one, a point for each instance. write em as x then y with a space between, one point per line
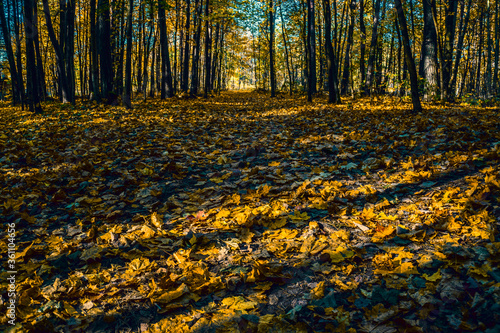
242 213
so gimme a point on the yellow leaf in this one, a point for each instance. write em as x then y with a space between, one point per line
319 291
406 268
434 277
156 220
172 295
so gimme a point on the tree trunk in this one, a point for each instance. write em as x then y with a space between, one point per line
104 49
333 92
449 39
196 49
410 62
488 74
31 70
94 58
208 44
128 63
373 46
311 41
16 91
286 50
16 17
362 47
271 49
166 89
428 60
344 85
497 51
185 67
464 22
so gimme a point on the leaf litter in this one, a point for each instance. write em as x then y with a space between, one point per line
243 213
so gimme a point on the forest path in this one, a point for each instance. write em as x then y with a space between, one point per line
243 212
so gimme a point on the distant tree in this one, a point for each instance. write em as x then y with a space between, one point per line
128 63
166 71
332 65
428 60
311 50
14 72
410 62
31 70
271 49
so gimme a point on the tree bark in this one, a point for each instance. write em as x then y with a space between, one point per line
410 62
128 63
311 41
449 39
196 49
271 49
31 70
373 46
428 60
286 51
166 89
16 91
464 22
208 44
185 66
333 92
345 76
362 47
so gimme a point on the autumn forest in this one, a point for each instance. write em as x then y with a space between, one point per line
249 166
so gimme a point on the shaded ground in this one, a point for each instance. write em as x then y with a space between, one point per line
244 213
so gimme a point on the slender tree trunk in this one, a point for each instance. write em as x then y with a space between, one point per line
362 47
480 54
449 39
286 50
373 46
208 44
94 58
333 92
42 91
128 63
16 16
196 49
488 74
185 67
344 85
410 62
311 39
428 60
271 49
497 50
16 92
166 72
104 50
464 22
31 70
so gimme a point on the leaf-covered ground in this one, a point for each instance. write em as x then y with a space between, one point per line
249 214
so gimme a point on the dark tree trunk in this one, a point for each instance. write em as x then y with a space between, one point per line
428 61
185 67
42 90
208 44
311 41
166 89
104 50
489 46
333 92
373 46
94 57
410 62
362 47
128 63
31 70
196 50
16 16
464 22
344 85
449 39
497 50
286 50
271 49
16 90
